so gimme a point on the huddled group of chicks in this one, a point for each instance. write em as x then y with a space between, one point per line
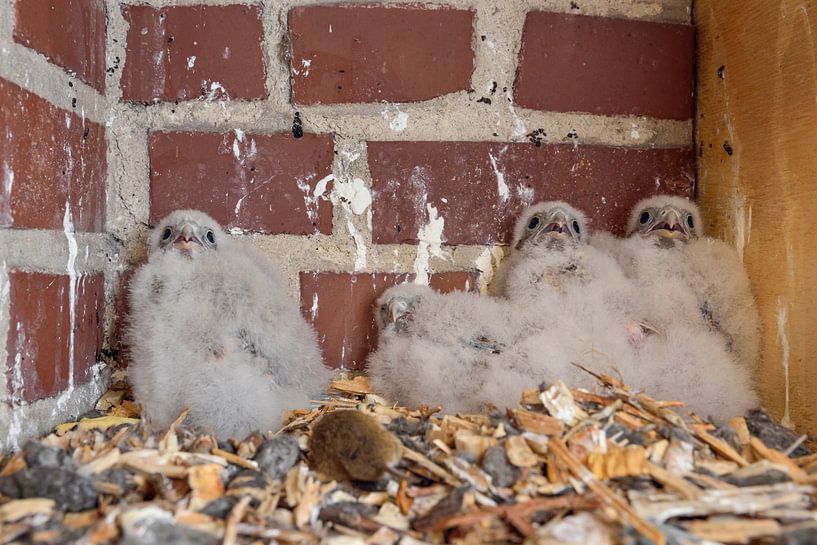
669 310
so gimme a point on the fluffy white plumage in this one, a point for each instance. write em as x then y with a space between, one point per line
696 292
464 350
211 328
444 349
576 304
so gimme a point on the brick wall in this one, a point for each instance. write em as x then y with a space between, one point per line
363 144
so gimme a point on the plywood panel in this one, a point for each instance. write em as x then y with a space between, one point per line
757 137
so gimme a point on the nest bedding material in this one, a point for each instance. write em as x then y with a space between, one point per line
565 466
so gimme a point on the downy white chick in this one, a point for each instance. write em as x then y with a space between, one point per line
211 328
690 293
575 303
445 349
702 277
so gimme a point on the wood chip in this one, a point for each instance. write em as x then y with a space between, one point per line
235 460
538 423
16 510
205 485
733 530
519 453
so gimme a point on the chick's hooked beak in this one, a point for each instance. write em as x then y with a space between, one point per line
556 227
186 237
670 225
397 309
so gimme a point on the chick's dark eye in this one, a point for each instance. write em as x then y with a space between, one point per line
167 234
534 222
211 237
576 227
645 217
690 222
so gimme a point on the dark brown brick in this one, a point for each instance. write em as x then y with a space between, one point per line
458 178
371 53
50 158
340 306
252 181
71 33
576 63
188 52
39 338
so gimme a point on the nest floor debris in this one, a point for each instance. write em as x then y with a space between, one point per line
564 466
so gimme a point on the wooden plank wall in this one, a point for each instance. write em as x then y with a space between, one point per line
756 129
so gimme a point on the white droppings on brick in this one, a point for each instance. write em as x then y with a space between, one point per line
5 199
430 238
525 194
501 186
311 197
519 128
360 246
487 263
191 62
320 187
306 63
314 310
226 53
354 194
783 338
17 386
216 92
71 269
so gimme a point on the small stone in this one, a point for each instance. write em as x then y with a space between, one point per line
770 477
221 507
72 492
277 455
772 433
38 455
496 464
802 536
118 476
729 435
402 426
153 526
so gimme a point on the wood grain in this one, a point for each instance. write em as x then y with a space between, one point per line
756 132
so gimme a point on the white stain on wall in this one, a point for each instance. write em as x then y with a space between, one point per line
5 197
71 269
398 121
501 186
783 338
430 238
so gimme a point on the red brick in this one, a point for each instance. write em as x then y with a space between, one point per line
50 158
121 304
40 332
259 190
576 63
344 317
458 179
70 33
225 41
373 53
